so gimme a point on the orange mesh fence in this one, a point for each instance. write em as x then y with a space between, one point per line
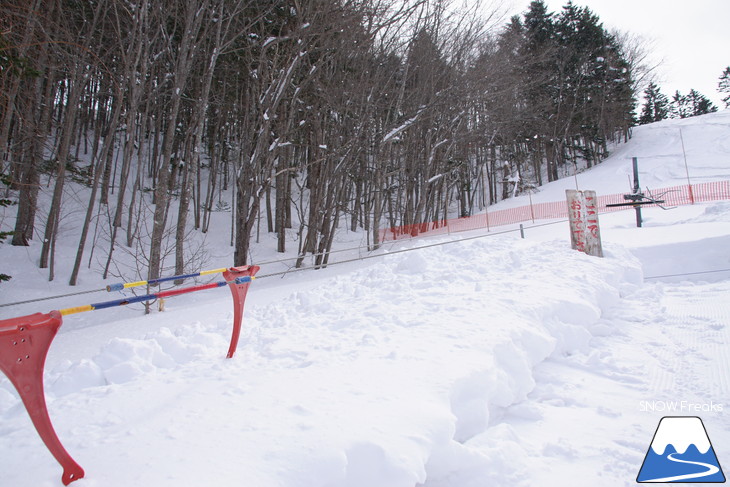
672 196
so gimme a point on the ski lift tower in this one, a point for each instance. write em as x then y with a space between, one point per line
636 198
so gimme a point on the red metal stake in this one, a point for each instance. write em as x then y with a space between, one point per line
239 298
24 344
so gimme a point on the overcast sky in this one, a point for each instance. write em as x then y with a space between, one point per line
692 37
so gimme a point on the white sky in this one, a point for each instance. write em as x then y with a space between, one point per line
691 37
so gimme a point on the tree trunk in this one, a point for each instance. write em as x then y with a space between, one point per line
182 218
282 201
106 148
185 56
38 119
78 81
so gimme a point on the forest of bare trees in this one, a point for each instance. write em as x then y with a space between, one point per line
307 115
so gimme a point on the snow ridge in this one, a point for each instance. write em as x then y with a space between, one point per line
377 376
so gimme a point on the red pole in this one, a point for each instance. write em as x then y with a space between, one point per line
238 291
24 344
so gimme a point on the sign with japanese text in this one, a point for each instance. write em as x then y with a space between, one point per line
585 234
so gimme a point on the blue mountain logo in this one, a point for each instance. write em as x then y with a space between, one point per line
681 452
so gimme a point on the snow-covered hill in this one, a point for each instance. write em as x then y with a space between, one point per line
662 149
493 361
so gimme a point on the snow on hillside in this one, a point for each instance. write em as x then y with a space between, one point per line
494 361
661 149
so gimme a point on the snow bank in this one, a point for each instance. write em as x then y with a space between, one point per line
677 255
386 375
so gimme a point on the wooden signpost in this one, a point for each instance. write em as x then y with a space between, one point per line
585 234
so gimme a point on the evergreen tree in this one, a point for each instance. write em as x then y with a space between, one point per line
679 107
724 86
691 105
538 55
656 105
699 104
539 26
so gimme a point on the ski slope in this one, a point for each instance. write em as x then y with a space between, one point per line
494 361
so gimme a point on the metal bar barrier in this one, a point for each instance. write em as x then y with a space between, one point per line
25 341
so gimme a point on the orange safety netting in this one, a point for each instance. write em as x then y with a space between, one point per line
672 196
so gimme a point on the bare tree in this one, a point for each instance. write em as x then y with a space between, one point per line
188 20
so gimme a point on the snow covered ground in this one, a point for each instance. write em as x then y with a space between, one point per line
494 361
